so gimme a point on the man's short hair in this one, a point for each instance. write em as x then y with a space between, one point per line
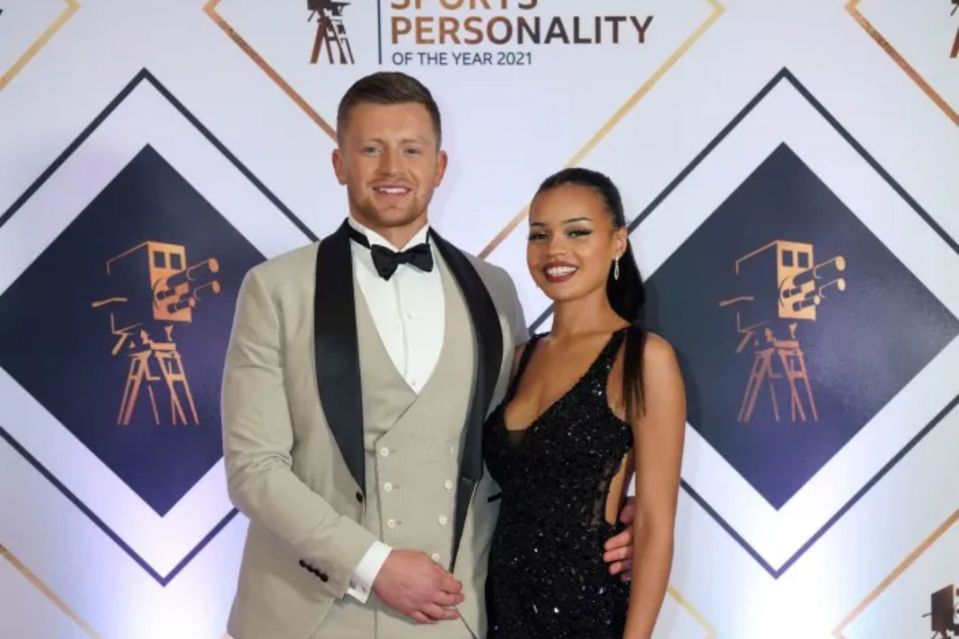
388 87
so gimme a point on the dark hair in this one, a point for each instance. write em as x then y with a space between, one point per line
626 295
387 87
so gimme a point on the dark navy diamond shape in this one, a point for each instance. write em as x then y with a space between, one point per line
58 346
866 343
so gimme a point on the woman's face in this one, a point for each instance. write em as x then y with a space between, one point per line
572 242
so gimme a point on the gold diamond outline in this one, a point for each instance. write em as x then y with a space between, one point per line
45 590
632 101
914 75
895 574
717 10
686 605
40 42
210 9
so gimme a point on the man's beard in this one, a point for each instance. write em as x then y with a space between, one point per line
394 218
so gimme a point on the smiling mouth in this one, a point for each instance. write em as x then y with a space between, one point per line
559 272
392 191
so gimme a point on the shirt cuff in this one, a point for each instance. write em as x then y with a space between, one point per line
361 583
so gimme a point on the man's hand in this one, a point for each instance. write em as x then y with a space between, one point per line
619 548
415 585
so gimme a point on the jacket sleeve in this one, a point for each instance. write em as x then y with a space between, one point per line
258 440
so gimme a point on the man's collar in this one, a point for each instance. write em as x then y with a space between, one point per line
375 238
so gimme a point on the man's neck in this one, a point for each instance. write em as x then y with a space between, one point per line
397 236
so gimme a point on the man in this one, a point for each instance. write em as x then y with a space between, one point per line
357 380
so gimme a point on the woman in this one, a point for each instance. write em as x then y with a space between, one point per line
589 402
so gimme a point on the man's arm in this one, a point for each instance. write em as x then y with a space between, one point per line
618 549
361 583
257 445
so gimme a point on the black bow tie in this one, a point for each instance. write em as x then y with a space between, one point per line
386 261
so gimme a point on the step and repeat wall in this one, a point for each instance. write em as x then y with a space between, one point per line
789 170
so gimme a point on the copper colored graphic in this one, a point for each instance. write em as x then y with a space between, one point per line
330 30
70 8
944 613
143 319
717 10
941 530
955 43
768 316
852 8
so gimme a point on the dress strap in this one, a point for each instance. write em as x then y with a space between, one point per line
609 352
612 347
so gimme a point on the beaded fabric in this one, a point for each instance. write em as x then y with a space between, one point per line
547 577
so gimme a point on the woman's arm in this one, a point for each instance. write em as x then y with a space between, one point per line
658 438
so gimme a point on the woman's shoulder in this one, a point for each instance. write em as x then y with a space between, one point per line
657 351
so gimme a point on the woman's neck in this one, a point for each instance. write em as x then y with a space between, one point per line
587 315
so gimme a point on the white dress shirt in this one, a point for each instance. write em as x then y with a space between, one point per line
409 312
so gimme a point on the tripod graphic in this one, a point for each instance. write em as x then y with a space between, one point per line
168 370
168 297
776 307
955 43
330 30
788 354
945 613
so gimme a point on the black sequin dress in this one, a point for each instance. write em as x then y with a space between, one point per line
547 577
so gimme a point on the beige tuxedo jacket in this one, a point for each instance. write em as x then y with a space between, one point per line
293 435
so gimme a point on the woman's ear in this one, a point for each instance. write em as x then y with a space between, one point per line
620 241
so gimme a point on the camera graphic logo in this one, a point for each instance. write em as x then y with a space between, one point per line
157 291
768 318
330 32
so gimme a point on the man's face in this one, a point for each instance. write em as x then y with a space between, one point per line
390 162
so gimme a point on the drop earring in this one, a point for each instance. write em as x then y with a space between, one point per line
616 268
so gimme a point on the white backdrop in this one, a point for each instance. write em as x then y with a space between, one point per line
679 110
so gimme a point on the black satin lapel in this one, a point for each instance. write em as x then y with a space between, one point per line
337 349
489 355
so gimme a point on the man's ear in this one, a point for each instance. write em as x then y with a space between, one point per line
339 167
442 160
